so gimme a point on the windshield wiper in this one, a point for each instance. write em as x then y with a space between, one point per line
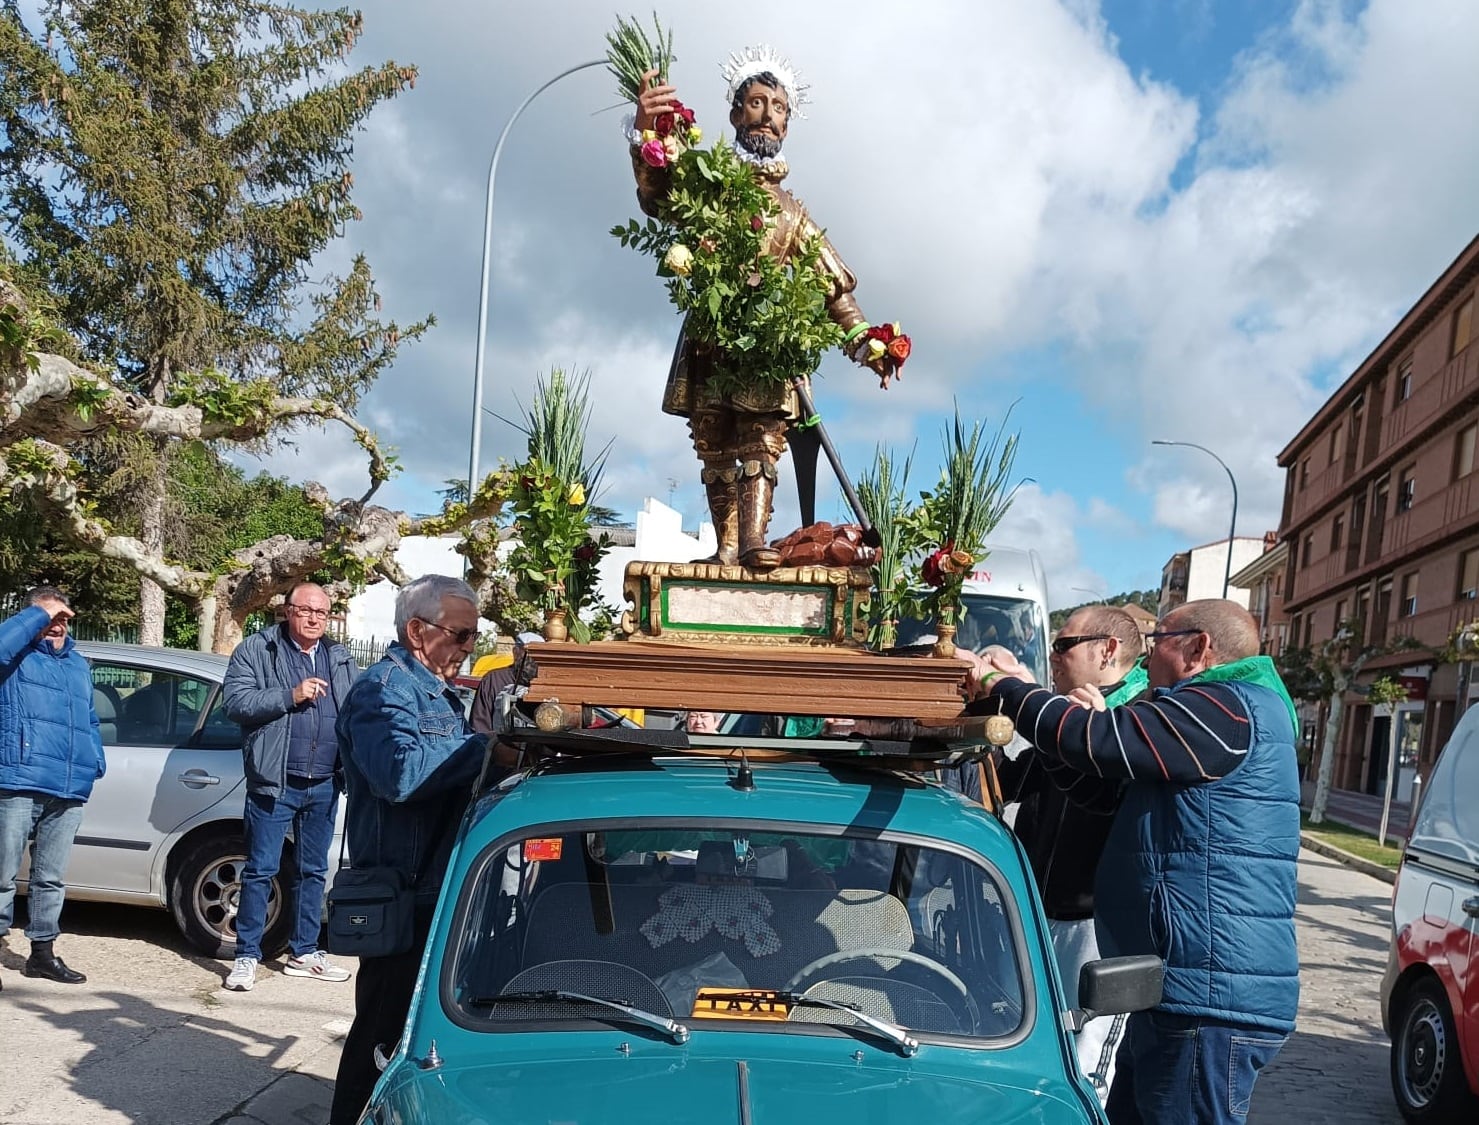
907 1044
676 1030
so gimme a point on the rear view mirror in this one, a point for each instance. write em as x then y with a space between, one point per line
1114 986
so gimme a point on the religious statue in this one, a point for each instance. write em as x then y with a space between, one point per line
739 432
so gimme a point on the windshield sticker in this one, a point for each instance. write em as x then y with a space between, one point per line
690 912
543 849
740 1004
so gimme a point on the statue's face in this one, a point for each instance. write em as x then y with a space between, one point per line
761 118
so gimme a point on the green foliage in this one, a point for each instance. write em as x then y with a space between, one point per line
630 54
1148 600
766 318
222 400
1386 692
555 563
884 492
952 520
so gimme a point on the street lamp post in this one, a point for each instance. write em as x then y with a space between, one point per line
1233 527
477 385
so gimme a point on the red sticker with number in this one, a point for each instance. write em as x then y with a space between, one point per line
543 849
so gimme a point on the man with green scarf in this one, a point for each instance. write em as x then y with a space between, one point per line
1200 865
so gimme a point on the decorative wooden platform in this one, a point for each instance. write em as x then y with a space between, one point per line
793 680
710 603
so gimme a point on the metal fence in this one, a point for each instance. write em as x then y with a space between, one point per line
366 651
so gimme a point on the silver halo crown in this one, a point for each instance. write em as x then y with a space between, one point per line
741 66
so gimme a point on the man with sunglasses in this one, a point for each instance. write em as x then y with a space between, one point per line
285 686
1200 865
410 758
1063 816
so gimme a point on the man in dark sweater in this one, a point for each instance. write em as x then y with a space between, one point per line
285 686
1200 865
1063 817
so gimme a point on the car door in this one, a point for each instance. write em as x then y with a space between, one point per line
172 755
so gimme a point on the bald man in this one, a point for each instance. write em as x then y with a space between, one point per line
1199 868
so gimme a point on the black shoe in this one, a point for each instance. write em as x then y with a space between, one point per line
51 968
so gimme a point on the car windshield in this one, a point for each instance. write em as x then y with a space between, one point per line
727 925
1014 623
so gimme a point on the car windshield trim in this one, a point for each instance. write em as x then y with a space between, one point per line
676 1031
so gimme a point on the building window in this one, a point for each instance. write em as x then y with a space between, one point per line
1339 616
1407 489
1337 532
1309 550
1468 575
1408 605
1304 473
1463 451
1337 442
1463 326
1403 386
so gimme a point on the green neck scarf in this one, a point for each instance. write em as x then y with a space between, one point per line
1251 670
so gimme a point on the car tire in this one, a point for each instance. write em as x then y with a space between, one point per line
1428 1079
204 891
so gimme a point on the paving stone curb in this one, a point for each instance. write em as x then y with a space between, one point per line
1365 866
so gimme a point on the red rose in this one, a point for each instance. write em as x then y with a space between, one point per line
663 124
684 112
933 570
899 348
586 551
757 223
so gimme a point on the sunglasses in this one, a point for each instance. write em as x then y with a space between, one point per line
1163 634
459 636
1062 644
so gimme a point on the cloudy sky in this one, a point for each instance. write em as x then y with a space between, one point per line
1135 219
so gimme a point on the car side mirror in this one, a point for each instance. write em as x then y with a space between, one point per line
1113 986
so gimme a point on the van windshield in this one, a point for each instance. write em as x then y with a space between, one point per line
724 924
1014 623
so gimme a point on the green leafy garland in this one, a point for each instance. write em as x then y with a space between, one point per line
766 319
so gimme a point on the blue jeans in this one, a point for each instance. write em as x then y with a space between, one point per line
54 821
307 808
1181 1070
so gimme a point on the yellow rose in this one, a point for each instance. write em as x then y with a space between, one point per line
695 135
577 494
649 135
679 259
876 348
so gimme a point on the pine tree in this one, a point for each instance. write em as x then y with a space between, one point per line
171 169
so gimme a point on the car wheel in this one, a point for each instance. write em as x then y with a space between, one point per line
1427 1073
205 891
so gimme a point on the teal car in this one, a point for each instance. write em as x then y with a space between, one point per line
668 937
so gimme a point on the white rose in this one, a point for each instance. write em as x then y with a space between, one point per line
679 259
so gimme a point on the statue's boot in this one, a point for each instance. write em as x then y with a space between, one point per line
755 495
724 511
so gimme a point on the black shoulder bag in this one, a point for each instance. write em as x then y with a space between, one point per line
372 910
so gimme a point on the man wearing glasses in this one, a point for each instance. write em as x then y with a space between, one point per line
50 755
410 759
1063 816
285 686
1200 865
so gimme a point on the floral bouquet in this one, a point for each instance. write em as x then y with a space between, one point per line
875 342
952 521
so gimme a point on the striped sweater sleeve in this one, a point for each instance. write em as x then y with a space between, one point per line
1193 734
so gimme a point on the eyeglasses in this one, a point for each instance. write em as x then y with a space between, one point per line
1061 645
308 612
459 636
1164 633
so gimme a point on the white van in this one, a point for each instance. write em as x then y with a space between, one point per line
1006 603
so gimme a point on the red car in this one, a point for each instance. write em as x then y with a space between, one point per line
1430 992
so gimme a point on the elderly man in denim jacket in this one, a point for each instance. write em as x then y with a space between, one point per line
410 760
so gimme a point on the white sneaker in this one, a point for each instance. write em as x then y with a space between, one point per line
243 975
315 965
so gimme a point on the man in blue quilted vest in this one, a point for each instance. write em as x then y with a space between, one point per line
1200 865
51 752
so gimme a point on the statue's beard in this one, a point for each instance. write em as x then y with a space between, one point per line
758 143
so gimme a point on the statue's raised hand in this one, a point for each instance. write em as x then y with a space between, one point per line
653 101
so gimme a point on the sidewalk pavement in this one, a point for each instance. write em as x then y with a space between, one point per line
1361 811
1334 1069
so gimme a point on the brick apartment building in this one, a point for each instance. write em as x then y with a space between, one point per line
1381 519
1263 578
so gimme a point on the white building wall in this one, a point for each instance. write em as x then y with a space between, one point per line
660 538
1209 566
371 612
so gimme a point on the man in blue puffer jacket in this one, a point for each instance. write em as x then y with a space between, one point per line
1200 866
50 755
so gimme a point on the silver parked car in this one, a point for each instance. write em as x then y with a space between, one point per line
163 827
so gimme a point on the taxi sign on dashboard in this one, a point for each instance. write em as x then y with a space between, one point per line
741 1004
